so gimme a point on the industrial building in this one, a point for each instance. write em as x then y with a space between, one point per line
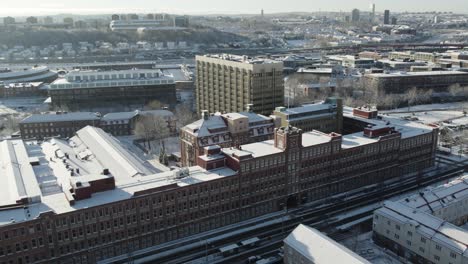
401 82
228 83
88 198
225 130
425 227
326 116
65 125
23 89
35 74
137 86
307 245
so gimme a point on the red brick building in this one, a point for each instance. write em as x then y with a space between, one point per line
146 208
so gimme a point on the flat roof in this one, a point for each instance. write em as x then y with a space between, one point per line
413 74
64 117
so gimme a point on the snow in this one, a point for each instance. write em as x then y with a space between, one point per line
319 248
314 138
365 247
258 149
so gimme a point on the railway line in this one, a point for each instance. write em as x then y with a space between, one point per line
273 228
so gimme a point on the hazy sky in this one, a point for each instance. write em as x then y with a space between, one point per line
41 7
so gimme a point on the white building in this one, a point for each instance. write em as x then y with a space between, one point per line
422 227
306 245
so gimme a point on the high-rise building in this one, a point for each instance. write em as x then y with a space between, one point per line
228 83
394 20
387 17
355 15
115 17
373 13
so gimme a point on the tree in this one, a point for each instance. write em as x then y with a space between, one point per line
412 97
154 105
184 115
150 127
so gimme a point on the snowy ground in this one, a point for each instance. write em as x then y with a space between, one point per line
365 247
172 145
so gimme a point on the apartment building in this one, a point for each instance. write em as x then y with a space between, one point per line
424 228
228 83
326 116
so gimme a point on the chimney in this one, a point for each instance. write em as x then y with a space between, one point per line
205 115
249 108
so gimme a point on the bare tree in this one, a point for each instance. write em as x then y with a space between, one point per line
184 115
154 105
150 127
412 97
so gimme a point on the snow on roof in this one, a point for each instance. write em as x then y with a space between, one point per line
17 174
314 138
25 72
406 128
65 117
86 155
414 74
319 248
216 123
258 149
202 127
439 197
308 108
120 162
356 140
119 116
439 230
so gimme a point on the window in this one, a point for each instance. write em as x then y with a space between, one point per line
438 247
453 255
436 257
423 240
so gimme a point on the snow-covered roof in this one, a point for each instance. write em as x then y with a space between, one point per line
308 108
216 123
444 233
17 174
64 117
258 149
59 164
318 248
413 74
439 197
406 128
22 73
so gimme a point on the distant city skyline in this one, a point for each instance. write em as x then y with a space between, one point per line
53 7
